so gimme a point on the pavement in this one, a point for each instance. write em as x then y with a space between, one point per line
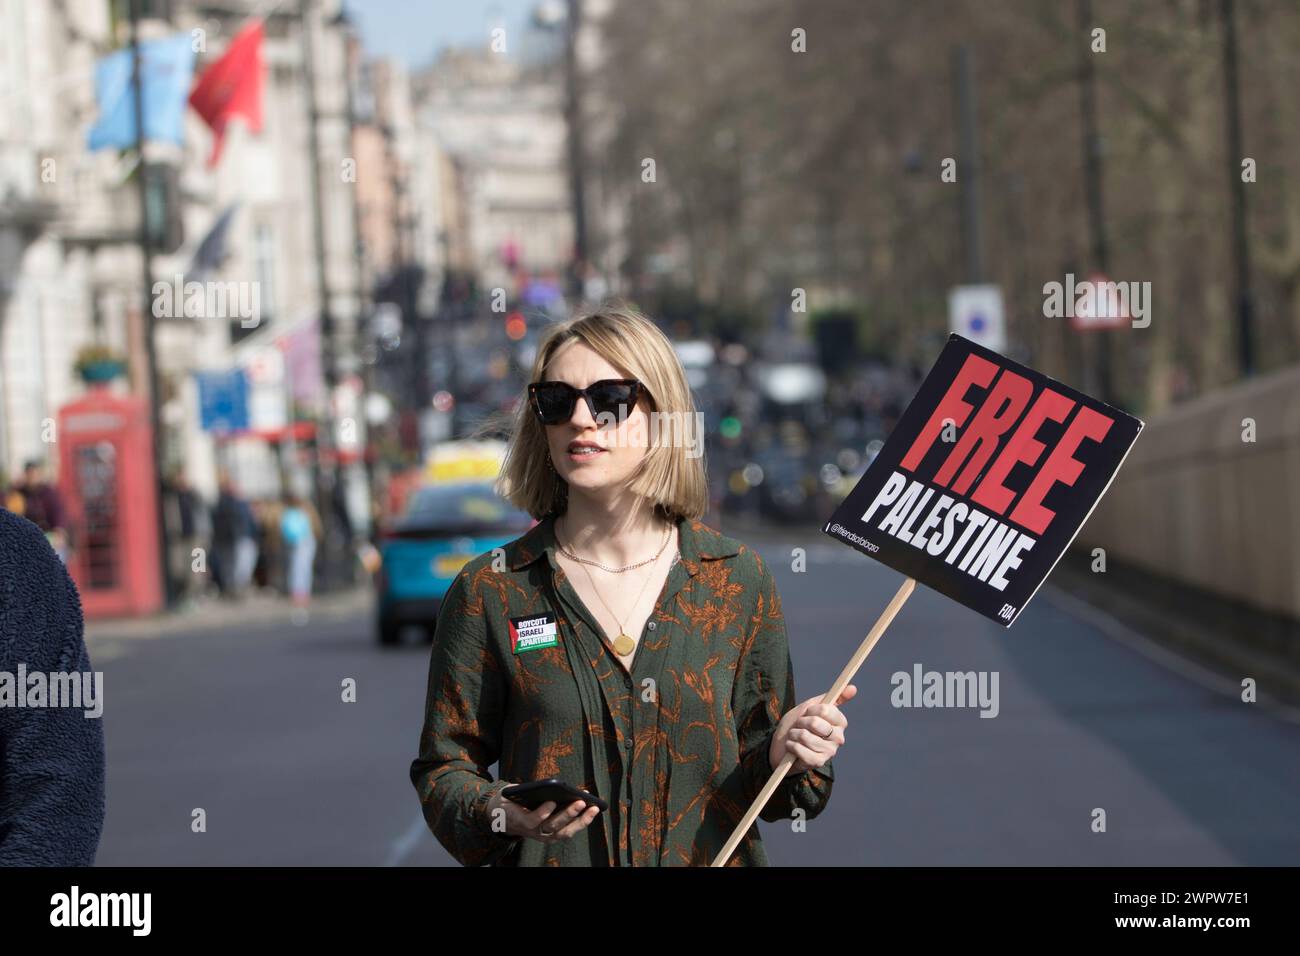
259 608
1106 748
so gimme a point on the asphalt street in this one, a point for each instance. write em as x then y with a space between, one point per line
244 719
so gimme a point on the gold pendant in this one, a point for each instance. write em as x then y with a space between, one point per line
623 645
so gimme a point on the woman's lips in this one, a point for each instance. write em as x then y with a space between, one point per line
585 453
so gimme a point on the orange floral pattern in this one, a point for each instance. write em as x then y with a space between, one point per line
678 747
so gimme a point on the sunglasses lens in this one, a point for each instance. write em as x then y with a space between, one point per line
555 403
612 398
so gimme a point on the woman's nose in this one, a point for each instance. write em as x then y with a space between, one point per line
582 414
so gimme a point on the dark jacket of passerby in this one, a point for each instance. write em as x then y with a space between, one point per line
182 510
43 506
339 505
232 520
51 758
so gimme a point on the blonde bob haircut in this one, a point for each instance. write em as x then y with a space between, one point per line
667 476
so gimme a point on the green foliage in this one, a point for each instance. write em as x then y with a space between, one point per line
96 355
824 168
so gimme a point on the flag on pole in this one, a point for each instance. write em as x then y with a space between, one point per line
232 86
166 67
213 249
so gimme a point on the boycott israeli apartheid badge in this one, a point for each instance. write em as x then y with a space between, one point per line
983 484
532 633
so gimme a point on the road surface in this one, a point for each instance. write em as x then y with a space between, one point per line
243 717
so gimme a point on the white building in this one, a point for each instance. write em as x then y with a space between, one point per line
505 176
56 202
70 267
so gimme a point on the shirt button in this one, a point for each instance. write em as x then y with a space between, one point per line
651 625
627 743
627 682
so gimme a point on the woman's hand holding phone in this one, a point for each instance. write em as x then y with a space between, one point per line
548 823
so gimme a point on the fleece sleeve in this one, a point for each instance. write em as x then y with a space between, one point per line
51 757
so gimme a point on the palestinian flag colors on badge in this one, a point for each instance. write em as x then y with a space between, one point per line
532 633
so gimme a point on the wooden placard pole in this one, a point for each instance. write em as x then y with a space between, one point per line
886 617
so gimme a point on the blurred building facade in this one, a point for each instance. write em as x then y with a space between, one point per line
607 194
459 170
500 132
69 228
60 211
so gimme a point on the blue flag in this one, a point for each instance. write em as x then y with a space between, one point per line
166 67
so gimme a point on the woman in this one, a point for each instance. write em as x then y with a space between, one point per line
655 672
299 530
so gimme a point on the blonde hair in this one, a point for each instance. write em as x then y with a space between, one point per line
673 481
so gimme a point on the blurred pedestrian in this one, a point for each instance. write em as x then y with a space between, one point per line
299 530
182 508
343 526
234 539
271 559
11 499
43 507
51 758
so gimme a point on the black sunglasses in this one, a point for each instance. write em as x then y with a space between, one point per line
554 401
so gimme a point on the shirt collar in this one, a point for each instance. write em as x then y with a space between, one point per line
697 542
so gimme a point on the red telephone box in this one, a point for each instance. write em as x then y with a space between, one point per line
106 473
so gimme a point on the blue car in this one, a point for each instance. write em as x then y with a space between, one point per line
444 527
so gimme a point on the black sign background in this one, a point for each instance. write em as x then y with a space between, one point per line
1071 503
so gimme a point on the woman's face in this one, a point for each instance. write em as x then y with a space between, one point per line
619 446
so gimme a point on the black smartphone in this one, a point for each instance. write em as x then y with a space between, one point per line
533 794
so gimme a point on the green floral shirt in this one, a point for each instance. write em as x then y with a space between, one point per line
679 748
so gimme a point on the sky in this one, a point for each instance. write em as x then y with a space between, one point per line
412 31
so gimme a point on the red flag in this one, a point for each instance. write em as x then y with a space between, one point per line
232 86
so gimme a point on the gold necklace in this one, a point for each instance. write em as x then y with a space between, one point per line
623 644
640 564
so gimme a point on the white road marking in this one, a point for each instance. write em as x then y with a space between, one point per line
405 845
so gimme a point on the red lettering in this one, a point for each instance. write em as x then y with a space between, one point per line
996 416
1023 447
1059 467
974 371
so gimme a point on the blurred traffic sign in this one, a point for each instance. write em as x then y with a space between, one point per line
975 312
268 407
266 366
223 400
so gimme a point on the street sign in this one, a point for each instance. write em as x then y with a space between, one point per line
991 472
266 366
975 312
268 406
223 400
